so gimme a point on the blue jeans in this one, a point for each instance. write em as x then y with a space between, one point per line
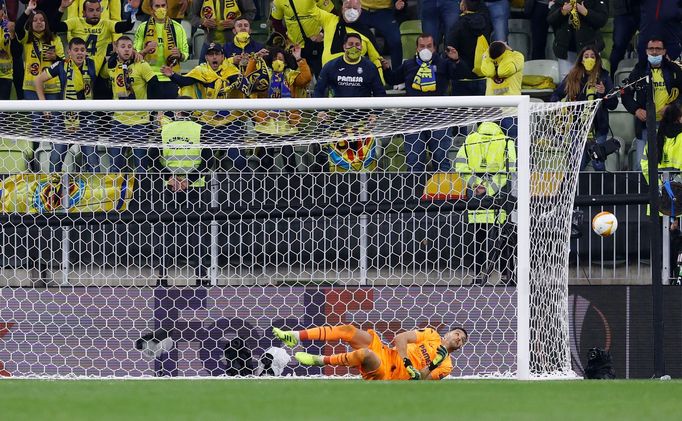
640 144
597 165
624 28
127 133
510 127
387 26
438 17
235 132
438 143
499 14
42 126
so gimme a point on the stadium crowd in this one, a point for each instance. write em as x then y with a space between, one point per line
162 49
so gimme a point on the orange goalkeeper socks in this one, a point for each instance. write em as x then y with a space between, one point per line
329 333
348 359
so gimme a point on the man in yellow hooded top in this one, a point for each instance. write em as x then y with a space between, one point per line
217 78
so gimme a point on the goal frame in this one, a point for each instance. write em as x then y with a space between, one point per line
521 103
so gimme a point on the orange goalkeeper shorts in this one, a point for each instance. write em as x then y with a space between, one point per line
391 367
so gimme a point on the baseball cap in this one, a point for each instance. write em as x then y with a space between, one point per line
215 47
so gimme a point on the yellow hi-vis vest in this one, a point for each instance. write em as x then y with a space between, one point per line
181 160
487 152
671 159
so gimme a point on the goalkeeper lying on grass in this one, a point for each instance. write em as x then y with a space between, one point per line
417 355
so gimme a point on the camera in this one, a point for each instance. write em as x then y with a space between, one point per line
599 151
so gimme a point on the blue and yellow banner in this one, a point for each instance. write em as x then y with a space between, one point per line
44 193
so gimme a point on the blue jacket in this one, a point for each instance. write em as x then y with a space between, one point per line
57 69
601 119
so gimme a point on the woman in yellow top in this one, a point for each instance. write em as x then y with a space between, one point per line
6 35
41 49
281 74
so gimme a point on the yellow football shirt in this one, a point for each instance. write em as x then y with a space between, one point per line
138 75
35 62
307 11
5 56
661 94
97 37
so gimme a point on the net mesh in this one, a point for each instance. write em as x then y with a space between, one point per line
116 263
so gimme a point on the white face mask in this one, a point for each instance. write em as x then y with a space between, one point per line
351 15
425 54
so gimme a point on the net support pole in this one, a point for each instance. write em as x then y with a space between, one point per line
213 270
66 245
523 249
656 237
364 197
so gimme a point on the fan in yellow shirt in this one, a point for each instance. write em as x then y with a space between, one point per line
97 31
130 80
6 63
111 9
41 49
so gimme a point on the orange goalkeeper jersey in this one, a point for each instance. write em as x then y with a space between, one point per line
421 353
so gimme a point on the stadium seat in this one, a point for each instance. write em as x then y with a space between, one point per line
519 36
624 69
197 42
187 26
607 35
541 68
188 65
42 156
393 156
409 32
15 156
260 31
622 124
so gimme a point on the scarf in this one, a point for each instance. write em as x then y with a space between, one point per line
575 18
168 41
230 10
257 73
278 87
122 85
75 85
218 84
425 79
5 53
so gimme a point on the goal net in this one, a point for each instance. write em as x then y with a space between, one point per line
167 238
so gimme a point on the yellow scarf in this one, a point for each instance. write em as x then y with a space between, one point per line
217 84
575 18
5 53
168 42
121 81
74 80
230 10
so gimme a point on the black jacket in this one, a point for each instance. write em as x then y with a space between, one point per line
466 31
567 38
446 70
634 99
601 119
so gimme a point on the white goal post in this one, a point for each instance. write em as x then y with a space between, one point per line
372 243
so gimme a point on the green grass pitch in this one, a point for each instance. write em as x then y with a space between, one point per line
169 400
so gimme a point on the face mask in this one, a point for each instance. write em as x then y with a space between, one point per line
242 37
425 55
655 60
277 66
589 63
353 53
351 15
160 13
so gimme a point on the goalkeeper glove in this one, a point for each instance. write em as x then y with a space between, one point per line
441 354
413 372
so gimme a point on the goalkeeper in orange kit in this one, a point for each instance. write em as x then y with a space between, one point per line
417 355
